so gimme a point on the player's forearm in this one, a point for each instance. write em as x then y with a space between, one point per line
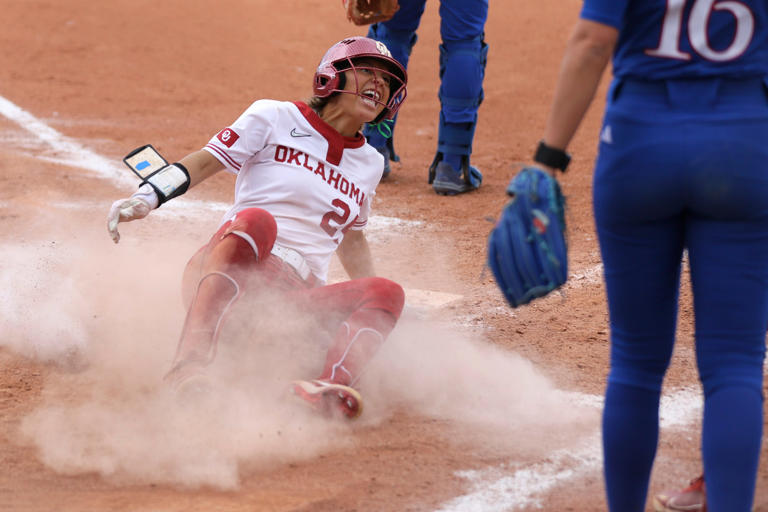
355 255
587 55
200 165
166 183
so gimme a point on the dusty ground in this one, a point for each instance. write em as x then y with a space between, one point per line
88 328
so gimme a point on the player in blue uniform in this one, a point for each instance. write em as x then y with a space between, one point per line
462 69
682 166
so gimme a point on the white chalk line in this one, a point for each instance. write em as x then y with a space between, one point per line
526 487
66 151
522 488
588 276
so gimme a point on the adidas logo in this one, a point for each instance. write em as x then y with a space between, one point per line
606 135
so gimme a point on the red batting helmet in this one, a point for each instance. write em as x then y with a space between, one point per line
341 57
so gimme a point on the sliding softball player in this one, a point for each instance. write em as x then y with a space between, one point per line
305 182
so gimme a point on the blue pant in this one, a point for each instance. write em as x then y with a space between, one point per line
683 165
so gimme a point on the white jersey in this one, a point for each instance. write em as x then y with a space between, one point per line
315 182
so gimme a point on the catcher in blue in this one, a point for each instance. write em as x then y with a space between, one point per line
463 56
682 167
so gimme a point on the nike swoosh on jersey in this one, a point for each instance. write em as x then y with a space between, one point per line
294 133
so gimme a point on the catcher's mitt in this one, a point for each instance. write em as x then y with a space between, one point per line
527 251
365 12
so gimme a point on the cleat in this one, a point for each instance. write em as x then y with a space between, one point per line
691 499
189 380
328 398
450 182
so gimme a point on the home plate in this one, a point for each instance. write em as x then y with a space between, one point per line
428 299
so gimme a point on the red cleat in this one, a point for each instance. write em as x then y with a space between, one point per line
328 398
189 380
691 499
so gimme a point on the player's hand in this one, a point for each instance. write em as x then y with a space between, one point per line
135 207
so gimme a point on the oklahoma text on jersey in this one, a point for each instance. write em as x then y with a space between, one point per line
333 178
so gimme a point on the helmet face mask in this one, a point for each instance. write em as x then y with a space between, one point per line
345 56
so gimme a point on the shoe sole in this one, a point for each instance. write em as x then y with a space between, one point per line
194 389
328 391
450 189
660 507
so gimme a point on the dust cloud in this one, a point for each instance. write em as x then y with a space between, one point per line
484 393
119 309
40 305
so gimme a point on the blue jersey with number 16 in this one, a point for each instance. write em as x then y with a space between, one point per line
662 39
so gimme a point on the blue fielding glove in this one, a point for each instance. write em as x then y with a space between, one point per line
527 251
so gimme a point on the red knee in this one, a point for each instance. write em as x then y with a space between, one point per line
234 247
385 295
256 227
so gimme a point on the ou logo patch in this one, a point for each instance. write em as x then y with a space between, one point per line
227 136
383 49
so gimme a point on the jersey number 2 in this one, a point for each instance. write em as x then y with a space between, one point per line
339 219
669 42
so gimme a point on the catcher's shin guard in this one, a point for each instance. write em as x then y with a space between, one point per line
462 70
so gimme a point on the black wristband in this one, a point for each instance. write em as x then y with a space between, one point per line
169 182
551 157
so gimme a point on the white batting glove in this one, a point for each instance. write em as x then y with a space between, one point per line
138 206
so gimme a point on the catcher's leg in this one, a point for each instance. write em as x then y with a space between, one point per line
399 34
219 272
463 56
369 309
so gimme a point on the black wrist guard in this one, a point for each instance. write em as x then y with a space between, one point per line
551 157
169 182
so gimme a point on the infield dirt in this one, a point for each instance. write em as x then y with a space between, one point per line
87 328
